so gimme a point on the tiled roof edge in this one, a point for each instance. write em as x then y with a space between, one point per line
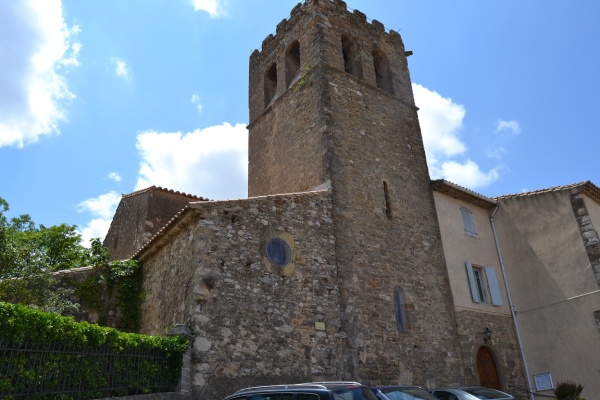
195 204
458 192
548 190
161 189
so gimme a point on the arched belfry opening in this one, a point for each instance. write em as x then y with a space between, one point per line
270 84
351 53
383 72
292 62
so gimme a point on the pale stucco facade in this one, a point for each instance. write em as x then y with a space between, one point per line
553 283
475 249
548 242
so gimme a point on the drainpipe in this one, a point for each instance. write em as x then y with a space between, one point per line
510 303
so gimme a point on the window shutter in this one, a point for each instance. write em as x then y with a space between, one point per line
471 275
468 221
490 273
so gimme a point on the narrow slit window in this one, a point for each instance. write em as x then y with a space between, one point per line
388 206
400 306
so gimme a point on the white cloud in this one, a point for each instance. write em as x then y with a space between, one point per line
102 209
195 100
215 8
441 121
509 126
121 68
496 153
468 174
35 43
115 176
210 162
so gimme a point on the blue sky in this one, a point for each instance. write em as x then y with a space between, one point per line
100 98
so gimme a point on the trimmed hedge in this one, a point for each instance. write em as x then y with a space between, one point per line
94 359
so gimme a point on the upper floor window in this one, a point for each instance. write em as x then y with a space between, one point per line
292 62
468 221
351 53
270 84
484 284
383 72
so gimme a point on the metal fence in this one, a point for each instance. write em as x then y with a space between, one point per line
30 370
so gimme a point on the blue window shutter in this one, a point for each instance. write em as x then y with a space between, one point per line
468 221
474 291
492 280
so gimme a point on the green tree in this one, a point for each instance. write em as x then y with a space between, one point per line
28 257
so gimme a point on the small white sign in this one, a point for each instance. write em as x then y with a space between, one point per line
543 382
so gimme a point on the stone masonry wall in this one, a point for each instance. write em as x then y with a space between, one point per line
139 216
588 233
254 323
341 127
286 140
387 236
503 344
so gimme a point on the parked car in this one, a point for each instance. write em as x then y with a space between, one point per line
400 392
306 391
470 393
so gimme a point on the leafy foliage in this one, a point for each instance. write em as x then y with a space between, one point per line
28 257
302 82
118 282
90 348
568 391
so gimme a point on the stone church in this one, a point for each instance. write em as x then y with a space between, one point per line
333 268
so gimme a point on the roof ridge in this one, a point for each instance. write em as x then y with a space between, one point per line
166 190
546 190
267 196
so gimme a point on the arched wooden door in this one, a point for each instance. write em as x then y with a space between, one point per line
486 366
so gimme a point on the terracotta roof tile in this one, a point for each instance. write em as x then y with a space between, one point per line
161 189
461 193
547 190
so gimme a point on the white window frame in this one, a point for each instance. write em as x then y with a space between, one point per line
483 280
468 221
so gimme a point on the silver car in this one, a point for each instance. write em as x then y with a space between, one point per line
470 393
401 392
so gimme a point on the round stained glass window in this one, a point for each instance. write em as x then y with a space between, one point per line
279 252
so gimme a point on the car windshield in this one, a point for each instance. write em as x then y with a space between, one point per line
485 393
407 394
355 393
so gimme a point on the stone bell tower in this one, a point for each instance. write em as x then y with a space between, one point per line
331 105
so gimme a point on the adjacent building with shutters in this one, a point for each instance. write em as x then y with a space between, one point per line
530 260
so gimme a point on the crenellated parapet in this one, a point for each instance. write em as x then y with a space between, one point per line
327 32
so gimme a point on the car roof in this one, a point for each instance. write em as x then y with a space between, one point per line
467 387
298 386
464 388
397 386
